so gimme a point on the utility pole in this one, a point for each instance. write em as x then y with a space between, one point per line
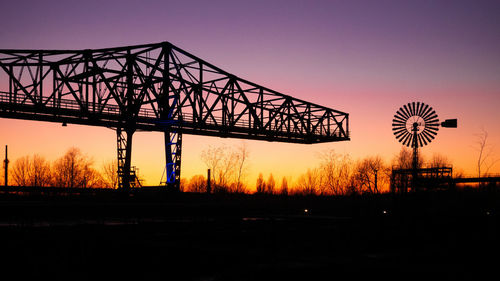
6 166
209 188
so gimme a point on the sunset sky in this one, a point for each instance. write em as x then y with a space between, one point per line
366 58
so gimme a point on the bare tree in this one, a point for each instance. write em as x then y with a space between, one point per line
67 169
345 172
31 171
183 185
369 174
309 182
228 167
241 156
404 160
336 171
227 171
329 170
438 161
485 160
110 173
284 186
20 171
221 161
92 178
213 157
75 170
261 185
197 183
270 185
40 171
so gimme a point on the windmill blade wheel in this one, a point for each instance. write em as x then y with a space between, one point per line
415 124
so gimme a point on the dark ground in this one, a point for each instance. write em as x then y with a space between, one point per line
161 236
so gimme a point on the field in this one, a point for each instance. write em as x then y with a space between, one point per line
153 235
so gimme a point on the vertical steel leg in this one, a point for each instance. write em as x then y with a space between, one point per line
124 149
173 146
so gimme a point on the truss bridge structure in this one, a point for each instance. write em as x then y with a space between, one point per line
155 87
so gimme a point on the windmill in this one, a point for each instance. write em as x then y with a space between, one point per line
415 125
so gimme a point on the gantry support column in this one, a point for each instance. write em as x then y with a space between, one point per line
173 148
172 118
124 149
126 179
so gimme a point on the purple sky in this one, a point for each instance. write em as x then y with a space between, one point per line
363 57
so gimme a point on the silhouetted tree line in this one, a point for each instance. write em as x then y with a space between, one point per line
338 174
72 170
335 174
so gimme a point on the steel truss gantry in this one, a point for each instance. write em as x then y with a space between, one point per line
155 87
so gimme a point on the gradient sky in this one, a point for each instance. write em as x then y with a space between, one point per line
366 58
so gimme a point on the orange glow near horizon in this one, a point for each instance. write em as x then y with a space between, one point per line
370 133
